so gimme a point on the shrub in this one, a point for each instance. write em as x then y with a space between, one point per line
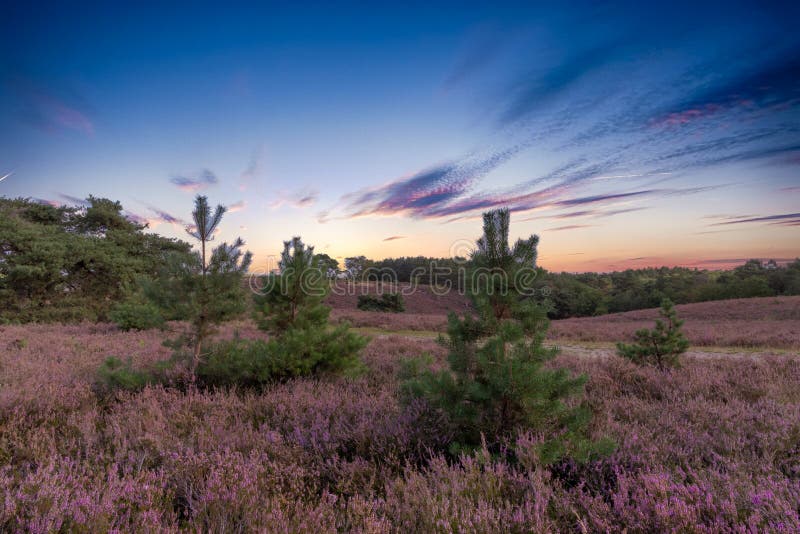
387 302
497 382
256 363
290 308
238 362
206 289
114 374
135 315
661 346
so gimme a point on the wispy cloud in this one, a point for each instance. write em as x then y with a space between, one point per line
304 198
584 213
788 219
394 237
49 109
237 206
195 182
772 84
6 176
136 218
160 216
253 169
484 45
431 192
568 227
543 83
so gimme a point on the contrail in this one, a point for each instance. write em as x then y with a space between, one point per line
6 176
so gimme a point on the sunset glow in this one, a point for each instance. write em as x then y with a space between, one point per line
625 136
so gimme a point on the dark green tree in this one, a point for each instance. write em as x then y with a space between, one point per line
661 346
205 288
291 309
67 263
327 264
497 382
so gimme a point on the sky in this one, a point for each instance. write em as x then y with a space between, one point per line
625 135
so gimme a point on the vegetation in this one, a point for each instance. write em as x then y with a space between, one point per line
386 302
492 433
661 346
290 309
114 375
136 314
248 364
711 448
70 264
206 287
497 383
587 294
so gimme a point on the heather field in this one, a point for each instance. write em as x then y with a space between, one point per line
380 267
768 322
711 447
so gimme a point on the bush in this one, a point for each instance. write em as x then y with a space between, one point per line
661 346
133 315
114 374
387 302
300 352
238 362
291 310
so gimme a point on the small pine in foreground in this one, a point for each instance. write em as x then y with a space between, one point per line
291 310
498 383
661 346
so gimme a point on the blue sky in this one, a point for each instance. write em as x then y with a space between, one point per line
623 135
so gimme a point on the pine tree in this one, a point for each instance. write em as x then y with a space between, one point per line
205 290
661 346
497 382
291 309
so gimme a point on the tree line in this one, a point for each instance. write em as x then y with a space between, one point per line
586 294
60 263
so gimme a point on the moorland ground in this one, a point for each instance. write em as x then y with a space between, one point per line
765 322
713 446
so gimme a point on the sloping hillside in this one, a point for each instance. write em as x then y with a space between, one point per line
421 299
754 322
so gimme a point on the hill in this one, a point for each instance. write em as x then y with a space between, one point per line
753 322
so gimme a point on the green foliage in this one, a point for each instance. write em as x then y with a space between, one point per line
565 296
201 289
293 298
114 375
290 308
386 302
71 264
498 382
300 352
134 314
239 362
661 346
327 264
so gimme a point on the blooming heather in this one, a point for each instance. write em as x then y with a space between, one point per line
712 447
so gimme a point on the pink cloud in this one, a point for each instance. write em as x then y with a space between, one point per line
237 206
298 199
